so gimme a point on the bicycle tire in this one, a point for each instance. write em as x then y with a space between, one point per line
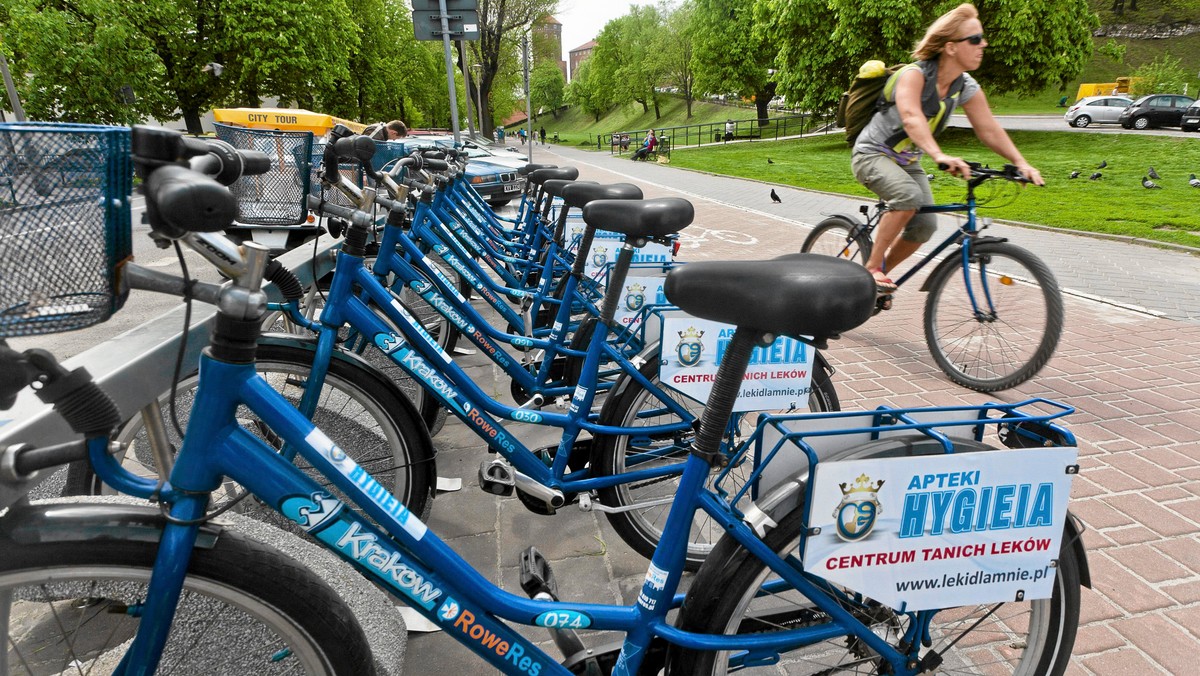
839 236
721 594
359 410
240 593
979 352
642 528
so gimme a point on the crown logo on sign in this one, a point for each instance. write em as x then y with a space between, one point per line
691 332
862 485
636 288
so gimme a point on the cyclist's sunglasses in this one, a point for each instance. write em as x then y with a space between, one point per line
976 39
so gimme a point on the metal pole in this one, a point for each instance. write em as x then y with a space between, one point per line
449 71
527 52
479 94
466 87
18 111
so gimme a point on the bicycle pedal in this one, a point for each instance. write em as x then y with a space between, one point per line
496 477
536 574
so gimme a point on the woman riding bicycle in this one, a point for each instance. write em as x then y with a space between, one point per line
886 155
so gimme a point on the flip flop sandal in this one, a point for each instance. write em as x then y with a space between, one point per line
883 284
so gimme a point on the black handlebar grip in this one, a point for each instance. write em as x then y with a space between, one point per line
179 200
436 165
254 162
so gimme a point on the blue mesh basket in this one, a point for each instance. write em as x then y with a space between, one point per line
64 225
277 197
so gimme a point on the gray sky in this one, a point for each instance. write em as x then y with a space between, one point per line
582 20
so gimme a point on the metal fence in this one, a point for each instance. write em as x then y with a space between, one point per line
695 135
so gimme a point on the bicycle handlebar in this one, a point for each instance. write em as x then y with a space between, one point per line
1008 172
180 200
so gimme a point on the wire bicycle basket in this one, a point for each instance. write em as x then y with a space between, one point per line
350 170
64 225
278 197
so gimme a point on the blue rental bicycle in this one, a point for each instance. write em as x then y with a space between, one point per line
994 312
142 588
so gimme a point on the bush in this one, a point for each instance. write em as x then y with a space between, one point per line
1163 75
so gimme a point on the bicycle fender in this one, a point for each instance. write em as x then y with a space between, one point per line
81 522
954 258
309 344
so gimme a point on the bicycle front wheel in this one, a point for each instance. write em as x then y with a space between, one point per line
841 237
366 418
245 609
996 324
1032 638
649 500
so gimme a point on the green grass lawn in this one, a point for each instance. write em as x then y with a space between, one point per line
1117 204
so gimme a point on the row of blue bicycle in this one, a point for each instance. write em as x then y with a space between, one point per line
821 542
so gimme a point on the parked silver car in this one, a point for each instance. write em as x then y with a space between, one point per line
1096 110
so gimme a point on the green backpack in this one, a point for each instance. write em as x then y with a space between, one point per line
865 96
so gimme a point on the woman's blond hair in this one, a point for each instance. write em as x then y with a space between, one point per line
943 31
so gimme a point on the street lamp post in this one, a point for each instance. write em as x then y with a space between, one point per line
478 68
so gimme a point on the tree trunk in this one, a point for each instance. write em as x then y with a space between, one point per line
657 111
191 117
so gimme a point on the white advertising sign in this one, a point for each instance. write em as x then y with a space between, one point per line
605 247
779 375
942 530
637 294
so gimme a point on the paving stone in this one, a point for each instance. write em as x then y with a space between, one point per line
1153 516
1189 618
1165 643
1121 663
1119 585
1149 563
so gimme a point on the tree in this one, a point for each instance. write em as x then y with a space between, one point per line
731 56
547 87
823 43
502 23
79 57
584 91
266 47
674 48
391 75
625 60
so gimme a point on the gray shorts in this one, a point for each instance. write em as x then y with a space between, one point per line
902 188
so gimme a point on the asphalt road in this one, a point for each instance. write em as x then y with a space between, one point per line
1057 123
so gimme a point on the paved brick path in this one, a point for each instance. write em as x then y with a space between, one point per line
1133 376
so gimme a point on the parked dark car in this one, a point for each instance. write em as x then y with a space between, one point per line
1155 110
1191 118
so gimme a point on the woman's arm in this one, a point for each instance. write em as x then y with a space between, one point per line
988 130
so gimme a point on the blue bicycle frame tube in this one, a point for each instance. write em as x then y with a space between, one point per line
416 352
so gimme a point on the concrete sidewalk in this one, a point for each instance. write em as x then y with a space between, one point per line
1133 375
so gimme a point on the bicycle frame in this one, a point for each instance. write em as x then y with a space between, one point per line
417 353
403 555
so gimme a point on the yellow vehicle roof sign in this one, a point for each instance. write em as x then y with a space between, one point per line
283 119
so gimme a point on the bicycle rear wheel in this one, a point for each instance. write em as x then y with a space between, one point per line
1015 329
635 406
841 237
1032 638
245 609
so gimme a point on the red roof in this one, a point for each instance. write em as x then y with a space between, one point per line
587 45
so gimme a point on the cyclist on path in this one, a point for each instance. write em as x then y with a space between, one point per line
887 153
